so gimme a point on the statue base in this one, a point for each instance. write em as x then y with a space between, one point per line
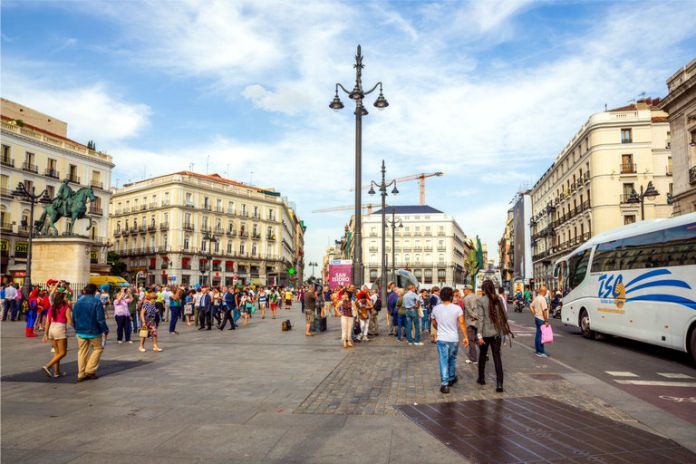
61 258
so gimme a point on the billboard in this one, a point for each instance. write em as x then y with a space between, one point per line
522 243
340 273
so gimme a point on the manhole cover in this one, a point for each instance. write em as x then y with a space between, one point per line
539 430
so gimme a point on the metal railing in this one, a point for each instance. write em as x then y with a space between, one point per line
52 173
692 175
73 178
96 183
7 161
26 166
628 168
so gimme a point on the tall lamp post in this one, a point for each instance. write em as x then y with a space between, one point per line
635 198
357 94
382 187
313 265
394 223
33 198
210 238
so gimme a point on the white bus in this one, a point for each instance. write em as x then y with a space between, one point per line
491 274
637 282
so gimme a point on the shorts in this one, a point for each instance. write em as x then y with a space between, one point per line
288 302
309 315
57 331
274 305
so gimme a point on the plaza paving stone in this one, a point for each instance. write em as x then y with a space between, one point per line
253 395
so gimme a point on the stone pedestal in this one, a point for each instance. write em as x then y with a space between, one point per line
61 258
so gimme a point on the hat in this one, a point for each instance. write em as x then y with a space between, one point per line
52 281
469 287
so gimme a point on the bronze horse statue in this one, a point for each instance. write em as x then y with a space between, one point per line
73 207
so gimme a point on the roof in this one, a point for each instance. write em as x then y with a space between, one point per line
415 209
217 178
642 104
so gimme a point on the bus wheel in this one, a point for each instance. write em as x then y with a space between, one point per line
692 345
585 325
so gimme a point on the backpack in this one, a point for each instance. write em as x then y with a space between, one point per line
378 305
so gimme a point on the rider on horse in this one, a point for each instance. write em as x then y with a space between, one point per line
62 199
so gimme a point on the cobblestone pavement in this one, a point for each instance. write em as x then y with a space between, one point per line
377 375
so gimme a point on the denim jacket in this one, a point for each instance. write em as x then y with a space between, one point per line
88 316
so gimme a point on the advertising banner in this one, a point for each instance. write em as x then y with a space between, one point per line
340 273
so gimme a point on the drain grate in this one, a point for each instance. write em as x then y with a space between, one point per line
539 430
106 367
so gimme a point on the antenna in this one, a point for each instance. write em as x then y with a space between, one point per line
207 164
251 177
191 165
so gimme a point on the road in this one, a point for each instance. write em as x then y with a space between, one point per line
662 377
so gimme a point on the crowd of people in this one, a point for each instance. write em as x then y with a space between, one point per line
446 317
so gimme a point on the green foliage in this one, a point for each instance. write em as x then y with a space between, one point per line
118 267
472 265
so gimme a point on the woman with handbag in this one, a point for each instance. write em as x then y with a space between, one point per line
491 326
149 319
58 318
346 308
122 316
188 307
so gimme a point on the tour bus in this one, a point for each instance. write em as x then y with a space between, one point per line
637 282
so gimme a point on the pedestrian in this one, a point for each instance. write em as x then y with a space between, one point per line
503 299
11 303
176 297
188 307
376 301
401 316
540 312
206 310
58 318
262 299
273 298
424 302
197 306
32 306
448 319
392 315
149 322
310 305
364 309
43 305
288 298
492 326
410 303
105 300
167 301
90 329
133 309
227 307
217 306
327 298
346 307
122 315
469 302
2 302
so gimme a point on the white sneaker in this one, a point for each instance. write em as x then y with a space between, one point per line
130 342
366 339
468 361
410 344
120 342
419 343
142 350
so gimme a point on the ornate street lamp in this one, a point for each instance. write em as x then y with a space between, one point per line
358 94
312 265
33 198
394 223
210 238
382 187
635 198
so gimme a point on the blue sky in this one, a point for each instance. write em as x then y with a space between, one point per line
488 92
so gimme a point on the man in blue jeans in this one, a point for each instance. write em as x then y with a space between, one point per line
412 319
448 320
540 311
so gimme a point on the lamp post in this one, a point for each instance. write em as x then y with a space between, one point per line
358 94
33 198
210 238
383 186
394 223
313 265
650 192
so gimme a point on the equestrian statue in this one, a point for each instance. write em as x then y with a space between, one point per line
69 204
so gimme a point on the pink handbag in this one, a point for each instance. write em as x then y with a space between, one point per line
546 334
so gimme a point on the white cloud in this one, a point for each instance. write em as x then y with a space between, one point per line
91 111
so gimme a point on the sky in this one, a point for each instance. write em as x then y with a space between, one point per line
487 91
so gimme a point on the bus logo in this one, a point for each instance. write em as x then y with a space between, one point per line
613 290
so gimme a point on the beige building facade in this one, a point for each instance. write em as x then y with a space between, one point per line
188 228
37 152
681 106
588 189
506 249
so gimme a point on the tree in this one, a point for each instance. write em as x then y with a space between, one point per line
472 265
118 267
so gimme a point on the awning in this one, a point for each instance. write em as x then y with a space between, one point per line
229 263
216 261
112 280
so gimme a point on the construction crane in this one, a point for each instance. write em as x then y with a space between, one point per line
368 206
421 183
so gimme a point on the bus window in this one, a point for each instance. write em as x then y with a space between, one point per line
577 268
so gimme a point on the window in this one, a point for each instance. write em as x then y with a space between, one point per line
440 275
626 135
373 275
189 199
629 219
187 241
218 205
627 165
578 268
165 201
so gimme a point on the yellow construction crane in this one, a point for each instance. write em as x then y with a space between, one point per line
421 183
368 206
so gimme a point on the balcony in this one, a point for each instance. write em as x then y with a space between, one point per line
186 266
142 229
23 230
164 226
244 234
231 233
244 214
52 173
586 177
373 249
164 203
219 209
189 205
255 236
152 205
7 161
271 238
95 210
628 168
208 207
692 175
625 199
73 178
117 233
97 184
133 231
231 211
143 207
26 166
151 228
5 192
189 227
441 249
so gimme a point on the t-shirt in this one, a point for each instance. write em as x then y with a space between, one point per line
346 308
447 317
410 300
61 315
288 295
539 306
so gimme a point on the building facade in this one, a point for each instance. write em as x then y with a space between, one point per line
505 251
522 238
589 188
681 106
430 244
189 228
37 152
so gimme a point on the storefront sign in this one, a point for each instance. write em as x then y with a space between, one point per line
4 246
21 249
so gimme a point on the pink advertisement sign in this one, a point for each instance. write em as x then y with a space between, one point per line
339 273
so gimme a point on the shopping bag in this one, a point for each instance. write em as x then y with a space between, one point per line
546 334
